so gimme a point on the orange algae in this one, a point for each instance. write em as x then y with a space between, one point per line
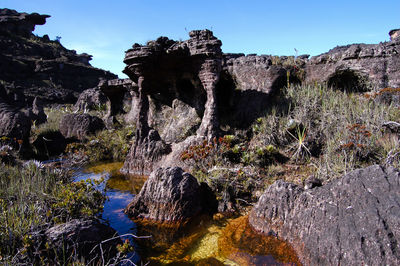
171 241
210 243
238 242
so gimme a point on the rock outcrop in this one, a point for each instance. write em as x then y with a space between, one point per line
394 35
169 195
32 66
20 23
248 82
80 125
350 221
91 99
358 66
165 70
13 123
189 88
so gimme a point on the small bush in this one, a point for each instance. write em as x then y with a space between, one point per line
343 130
33 198
106 145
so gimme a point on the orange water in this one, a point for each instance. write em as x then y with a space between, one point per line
202 241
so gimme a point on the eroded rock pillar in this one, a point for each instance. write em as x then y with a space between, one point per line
148 147
209 76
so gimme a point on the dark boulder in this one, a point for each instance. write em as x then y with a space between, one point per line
170 194
81 238
91 99
80 125
13 123
350 221
49 144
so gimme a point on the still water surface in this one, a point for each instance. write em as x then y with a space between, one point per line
208 242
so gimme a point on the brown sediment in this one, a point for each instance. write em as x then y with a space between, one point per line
171 241
129 183
111 168
238 242
119 181
202 242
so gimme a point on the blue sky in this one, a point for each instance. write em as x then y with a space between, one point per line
106 29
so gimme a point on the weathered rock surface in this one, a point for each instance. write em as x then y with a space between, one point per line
166 70
80 125
116 91
350 221
91 99
394 35
247 84
20 23
145 154
81 237
32 66
13 123
358 66
170 194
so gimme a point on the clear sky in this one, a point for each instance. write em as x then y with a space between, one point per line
106 29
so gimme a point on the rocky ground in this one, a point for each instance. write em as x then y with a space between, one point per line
215 131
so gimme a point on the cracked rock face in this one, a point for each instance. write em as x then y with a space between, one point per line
350 221
170 194
166 71
80 125
32 66
358 66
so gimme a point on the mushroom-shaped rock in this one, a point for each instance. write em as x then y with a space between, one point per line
170 194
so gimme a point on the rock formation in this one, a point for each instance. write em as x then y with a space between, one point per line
80 125
170 194
13 122
350 221
394 35
91 99
189 88
32 66
79 237
165 70
20 23
358 66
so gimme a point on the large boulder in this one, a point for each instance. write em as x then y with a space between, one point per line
350 221
91 99
13 123
82 238
80 125
170 194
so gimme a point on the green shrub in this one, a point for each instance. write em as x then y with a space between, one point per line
342 130
32 198
106 145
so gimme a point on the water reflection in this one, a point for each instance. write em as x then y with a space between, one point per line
201 241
